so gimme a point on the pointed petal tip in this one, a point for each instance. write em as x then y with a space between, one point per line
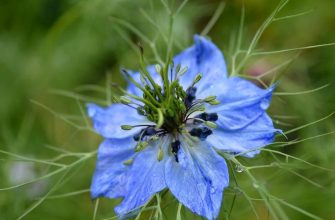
93 194
144 179
265 103
205 176
198 38
204 44
91 109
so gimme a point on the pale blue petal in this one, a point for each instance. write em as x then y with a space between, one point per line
241 102
257 134
198 179
243 124
144 178
108 121
205 58
110 174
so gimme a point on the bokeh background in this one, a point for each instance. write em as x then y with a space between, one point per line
56 55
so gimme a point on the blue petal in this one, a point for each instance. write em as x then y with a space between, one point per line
108 121
205 58
241 102
198 179
243 124
110 175
247 139
144 178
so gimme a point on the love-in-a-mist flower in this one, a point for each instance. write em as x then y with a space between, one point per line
167 130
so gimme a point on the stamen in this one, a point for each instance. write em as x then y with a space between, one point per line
212 117
196 79
208 117
128 162
125 72
160 154
201 133
126 127
175 148
158 69
141 111
138 135
196 108
210 124
144 101
141 146
125 100
190 96
181 72
214 102
210 98
149 131
190 92
171 70
145 73
169 106
177 71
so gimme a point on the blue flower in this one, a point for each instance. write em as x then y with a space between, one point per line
168 132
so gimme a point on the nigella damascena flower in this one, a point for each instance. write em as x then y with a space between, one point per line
168 131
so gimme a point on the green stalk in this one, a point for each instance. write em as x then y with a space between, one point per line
143 89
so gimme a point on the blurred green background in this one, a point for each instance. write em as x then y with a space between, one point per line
55 55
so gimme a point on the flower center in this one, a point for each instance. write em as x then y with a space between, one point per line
173 110
177 115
